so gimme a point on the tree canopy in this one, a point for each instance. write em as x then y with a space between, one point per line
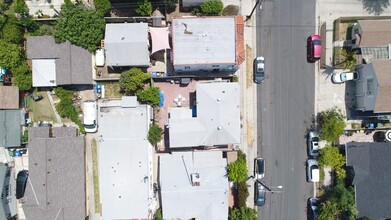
237 171
11 55
133 80
22 77
102 7
338 202
144 8
332 124
154 134
330 156
81 26
150 95
243 213
212 7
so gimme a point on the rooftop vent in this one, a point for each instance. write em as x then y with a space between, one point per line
195 179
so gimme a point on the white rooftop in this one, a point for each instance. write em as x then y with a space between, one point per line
203 40
183 200
125 178
217 121
126 44
44 72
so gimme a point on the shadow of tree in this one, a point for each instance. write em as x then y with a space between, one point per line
375 7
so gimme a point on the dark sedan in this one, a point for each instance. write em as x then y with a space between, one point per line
260 195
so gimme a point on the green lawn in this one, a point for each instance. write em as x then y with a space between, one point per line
41 110
95 174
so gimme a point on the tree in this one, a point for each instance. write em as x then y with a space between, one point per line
328 210
11 31
81 26
332 124
154 134
231 10
150 95
237 171
21 7
11 55
144 8
242 213
170 3
212 7
133 80
330 156
102 7
22 77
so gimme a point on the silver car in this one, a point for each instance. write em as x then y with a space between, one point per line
260 195
259 70
312 171
313 144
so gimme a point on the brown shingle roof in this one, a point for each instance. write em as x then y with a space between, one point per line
383 75
9 97
375 32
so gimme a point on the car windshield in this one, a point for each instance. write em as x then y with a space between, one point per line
315 139
89 126
260 166
343 76
316 42
355 75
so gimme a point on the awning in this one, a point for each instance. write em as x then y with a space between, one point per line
159 38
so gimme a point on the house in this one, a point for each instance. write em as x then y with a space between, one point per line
194 185
10 128
8 190
127 45
212 120
9 97
374 38
368 165
373 88
125 160
56 185
205 44
58 64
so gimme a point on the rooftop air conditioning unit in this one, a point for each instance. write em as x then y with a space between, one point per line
195 179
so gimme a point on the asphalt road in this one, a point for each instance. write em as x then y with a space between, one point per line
285 104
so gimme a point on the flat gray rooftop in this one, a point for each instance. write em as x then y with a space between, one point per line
183 200
203 40
124 161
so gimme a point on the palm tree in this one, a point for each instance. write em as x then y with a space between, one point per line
349 59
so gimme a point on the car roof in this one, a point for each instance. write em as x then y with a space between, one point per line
315 175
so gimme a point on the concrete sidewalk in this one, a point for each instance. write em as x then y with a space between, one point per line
327 94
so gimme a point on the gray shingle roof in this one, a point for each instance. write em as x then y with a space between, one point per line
9 97
127 44
56 186
10 128
7 185
372 180
73 63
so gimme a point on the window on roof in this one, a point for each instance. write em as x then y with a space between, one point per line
370 86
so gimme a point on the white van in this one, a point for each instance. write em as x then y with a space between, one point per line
90 116
100 58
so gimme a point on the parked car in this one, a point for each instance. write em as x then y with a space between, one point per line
312 208
312 171
313 144
259 168
36 98
314 48
260 195
21 181
259 70
344 76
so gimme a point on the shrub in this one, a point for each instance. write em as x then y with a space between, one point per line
331 123
231 10
237 171
330 156
154 134
212 7
242 193
243 213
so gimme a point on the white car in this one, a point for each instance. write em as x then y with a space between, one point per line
344 76
312 171
259 168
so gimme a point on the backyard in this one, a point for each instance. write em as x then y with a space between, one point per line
41 110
